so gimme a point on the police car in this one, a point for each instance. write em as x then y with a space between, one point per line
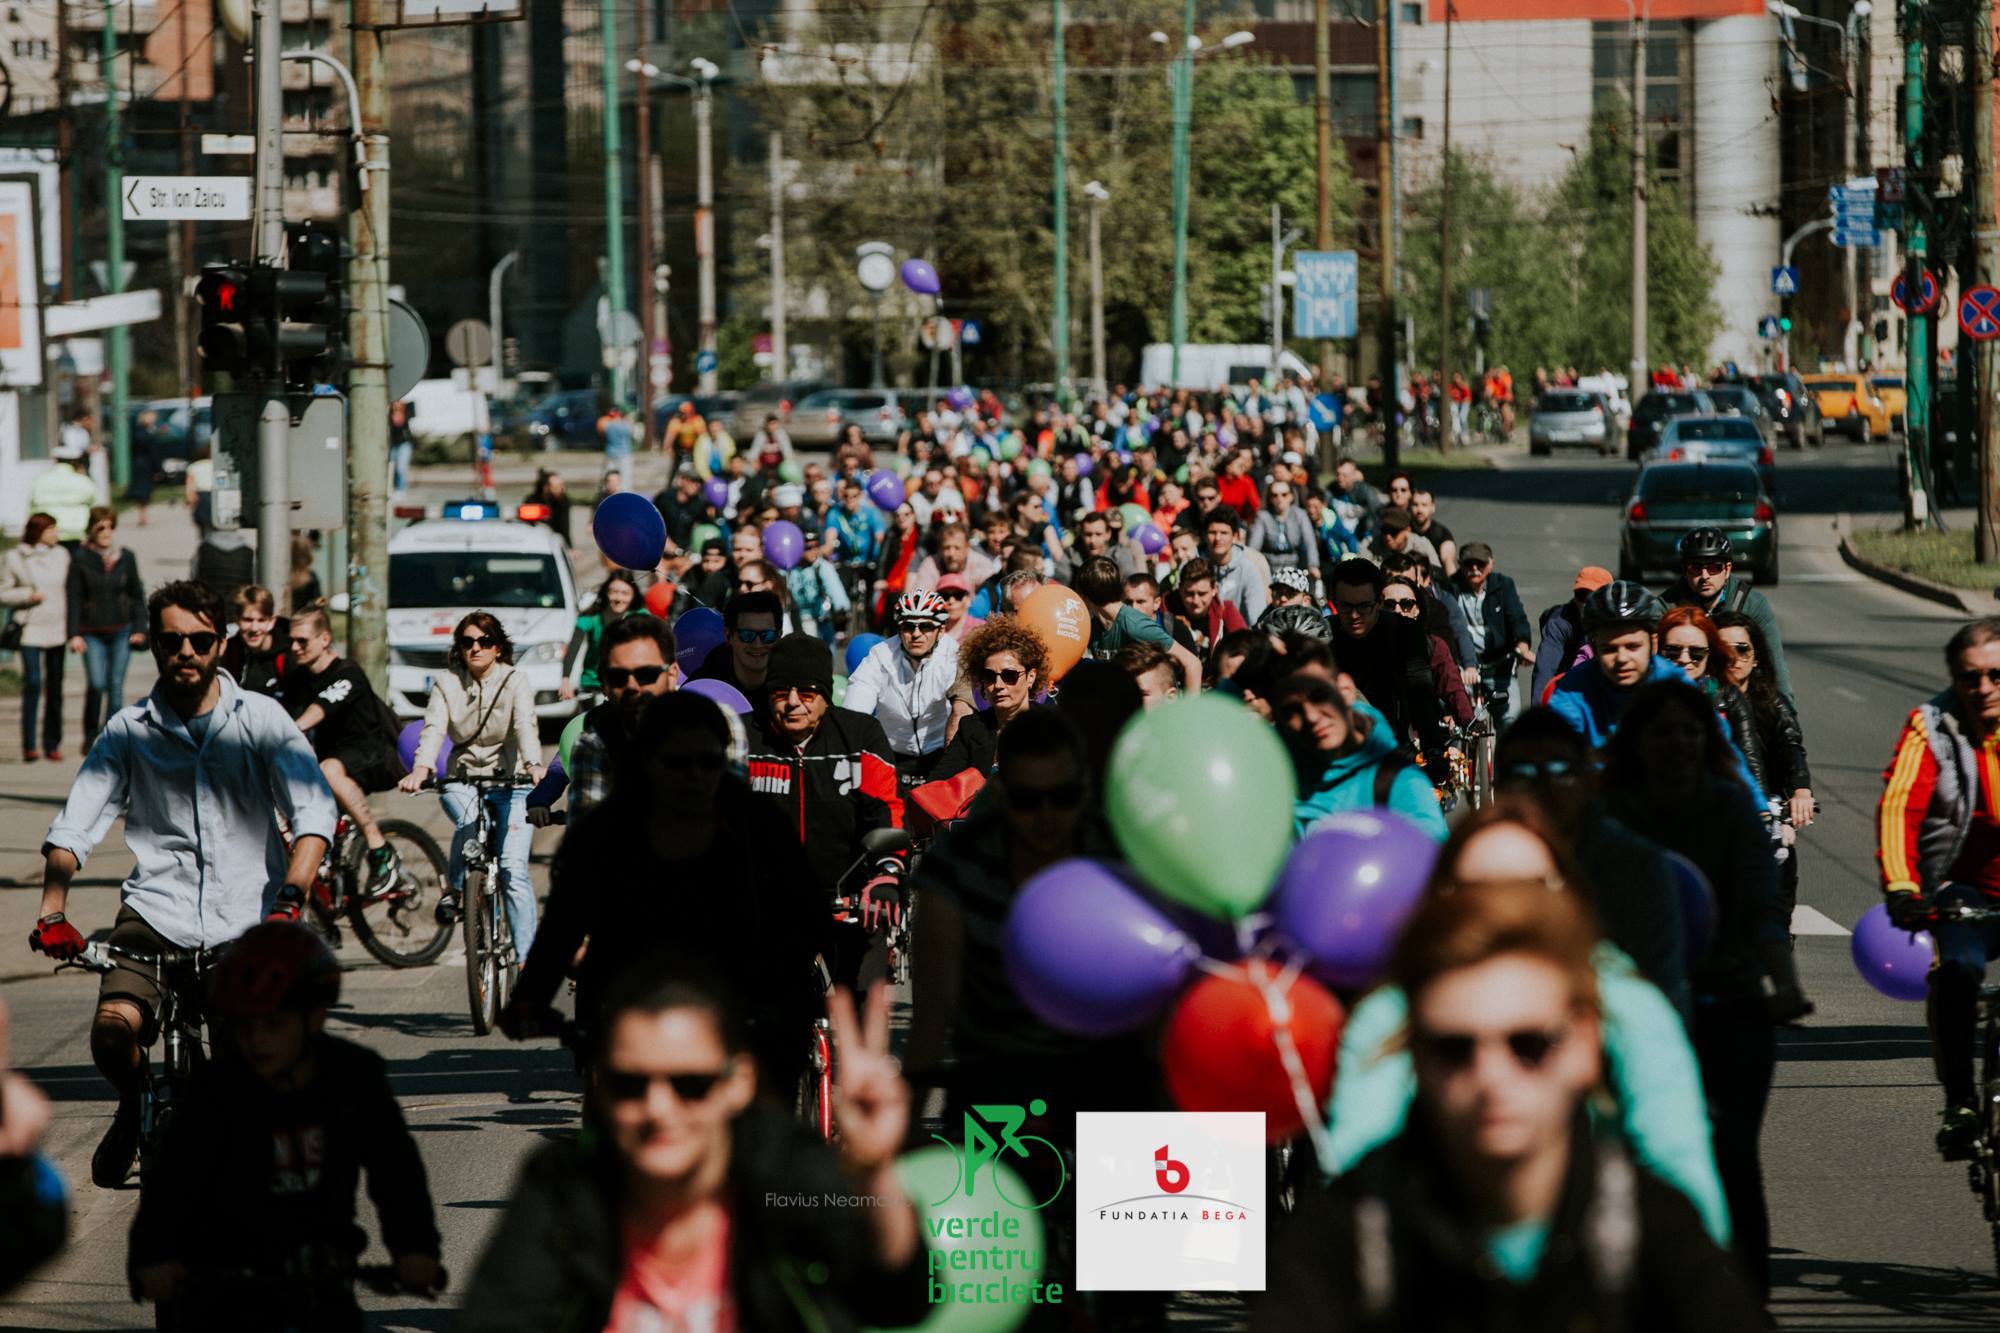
473 558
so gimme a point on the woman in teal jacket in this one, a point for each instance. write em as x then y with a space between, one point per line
1347 760
1650 1069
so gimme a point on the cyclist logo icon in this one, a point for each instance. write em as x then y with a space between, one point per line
992 1136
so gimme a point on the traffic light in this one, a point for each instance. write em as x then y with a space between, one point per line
223 292
1784 323
299 319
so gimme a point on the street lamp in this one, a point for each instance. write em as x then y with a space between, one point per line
1181 78
652 221
1094 191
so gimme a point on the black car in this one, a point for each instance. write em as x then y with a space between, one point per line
1658 407
1792 409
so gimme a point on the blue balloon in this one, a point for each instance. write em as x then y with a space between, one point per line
696 635
630 530
859 647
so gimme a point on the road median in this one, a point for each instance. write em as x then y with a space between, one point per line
1936 566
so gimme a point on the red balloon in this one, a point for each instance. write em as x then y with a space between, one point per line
1221 1049
659 597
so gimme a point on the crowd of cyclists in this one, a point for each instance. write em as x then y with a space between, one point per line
906 720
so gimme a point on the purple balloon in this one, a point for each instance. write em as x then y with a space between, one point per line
1697 907
696 634
885 488
722 692
959 398
784 543
716 491
1090 956
1347 888
1085 465
1892 960
919 276
858 649
630 530
406 748
1151 540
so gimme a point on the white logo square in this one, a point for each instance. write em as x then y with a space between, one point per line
1170 1201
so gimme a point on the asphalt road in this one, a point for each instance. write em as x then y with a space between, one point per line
1872 1231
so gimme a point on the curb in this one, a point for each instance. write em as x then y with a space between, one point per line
1909 583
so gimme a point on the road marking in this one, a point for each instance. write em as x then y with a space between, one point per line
1832 576
1852 696
1811 921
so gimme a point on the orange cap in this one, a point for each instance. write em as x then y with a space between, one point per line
1592 577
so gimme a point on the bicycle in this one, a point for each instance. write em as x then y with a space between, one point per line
1983 1171
392 924
815 1097
182 981
491 964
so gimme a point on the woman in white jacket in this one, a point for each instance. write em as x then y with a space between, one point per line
487 708
35 582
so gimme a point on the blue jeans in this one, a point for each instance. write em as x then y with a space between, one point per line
41 668
399 466
1963 950
104 659
510 810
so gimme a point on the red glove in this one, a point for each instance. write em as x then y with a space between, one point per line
56 937
882 902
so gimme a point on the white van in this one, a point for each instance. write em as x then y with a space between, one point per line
1210 365
445 410
473 560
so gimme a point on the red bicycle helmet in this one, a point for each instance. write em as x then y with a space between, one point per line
276 965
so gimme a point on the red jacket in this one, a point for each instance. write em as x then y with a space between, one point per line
1240 494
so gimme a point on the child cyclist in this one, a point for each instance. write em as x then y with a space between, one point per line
247 1218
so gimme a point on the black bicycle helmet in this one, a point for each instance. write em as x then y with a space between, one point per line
1704 544
1622 603
276 965
1295 620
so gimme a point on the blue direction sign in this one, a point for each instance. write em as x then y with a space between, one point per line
1785 281
1324 304
704 362
1979 313
1767 327
1861 235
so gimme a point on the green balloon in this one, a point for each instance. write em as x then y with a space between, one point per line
931 1177
702 534
1039 467
570 732
791 471
1010 445
980 455
1181 474
839 691
1200 796
1134 515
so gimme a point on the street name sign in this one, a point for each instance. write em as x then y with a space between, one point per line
1324 303
180 198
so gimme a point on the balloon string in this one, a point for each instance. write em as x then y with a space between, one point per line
1280 1010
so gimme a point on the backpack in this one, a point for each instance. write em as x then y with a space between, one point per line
1386 772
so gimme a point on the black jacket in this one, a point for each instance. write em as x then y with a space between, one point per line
1391 666
249 1177
1783 743
976 744
1743 729
105 601
262 672
555 1261
842 785
1505 619
1388 1247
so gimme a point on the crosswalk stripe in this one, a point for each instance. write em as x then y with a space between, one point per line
1811 921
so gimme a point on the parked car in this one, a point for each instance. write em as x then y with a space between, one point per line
1741 400
565 419
1793 411
1571 416
820 419
1701 439
1671 498
1895 398
770 399
1660 406
1851 404
707 406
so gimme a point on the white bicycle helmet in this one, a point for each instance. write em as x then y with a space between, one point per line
920 606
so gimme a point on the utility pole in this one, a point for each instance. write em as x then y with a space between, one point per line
1060 204
1640 355
1323 153
180 239
1444 258
1182 75
495 284
368 337
614 202
1917 353
780 365
274 418
1385 201
1986 237
642 134
1100 387
704 220
118 341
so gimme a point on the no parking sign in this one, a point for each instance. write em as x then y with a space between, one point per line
1979 313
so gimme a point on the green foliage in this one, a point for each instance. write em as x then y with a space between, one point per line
1560 270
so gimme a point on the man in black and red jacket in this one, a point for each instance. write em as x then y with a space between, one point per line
832 773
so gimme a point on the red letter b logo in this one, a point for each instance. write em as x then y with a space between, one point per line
1172 1175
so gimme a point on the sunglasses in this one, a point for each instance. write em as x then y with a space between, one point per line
806 693
1556 771
472 643
917 626
1454 1051
1008 676
1030 799
954 595
1677 651
690 1089
1355 608
1970 679
1740 649
201 641
298 642
1475 564
1706 566
1400 603
616 677
756 636
752 585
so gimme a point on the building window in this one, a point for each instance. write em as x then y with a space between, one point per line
1413 127
1412 12
1667 72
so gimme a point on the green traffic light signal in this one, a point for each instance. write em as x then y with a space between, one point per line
1785 323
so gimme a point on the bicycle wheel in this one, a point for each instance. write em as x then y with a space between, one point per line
1482 769
481 990
400 927
506 962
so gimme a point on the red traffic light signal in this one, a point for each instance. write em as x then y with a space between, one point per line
224 341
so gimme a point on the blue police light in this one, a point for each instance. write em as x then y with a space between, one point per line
472 511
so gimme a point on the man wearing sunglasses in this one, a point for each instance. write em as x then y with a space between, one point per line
199 769
1709 581
352 730
636 667
1499 626
906 684
1938 843
832 773
751 628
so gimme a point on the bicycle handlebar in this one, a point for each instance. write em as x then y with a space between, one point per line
96 957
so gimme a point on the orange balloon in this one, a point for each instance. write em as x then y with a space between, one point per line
1220 1049
1062 621
659 597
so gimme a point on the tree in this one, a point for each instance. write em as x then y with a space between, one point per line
1498 243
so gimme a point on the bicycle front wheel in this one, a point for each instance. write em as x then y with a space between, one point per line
482 988
400 926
